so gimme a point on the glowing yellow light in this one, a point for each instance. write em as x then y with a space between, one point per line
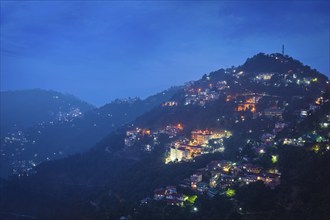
274 158
192 199
230 192
316 148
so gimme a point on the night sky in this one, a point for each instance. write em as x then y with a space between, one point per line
104 50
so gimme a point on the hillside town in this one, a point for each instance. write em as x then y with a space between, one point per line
224 177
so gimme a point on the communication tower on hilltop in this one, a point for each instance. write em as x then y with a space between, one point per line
283 49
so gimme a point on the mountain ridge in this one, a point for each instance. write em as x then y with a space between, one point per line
23 149
24 108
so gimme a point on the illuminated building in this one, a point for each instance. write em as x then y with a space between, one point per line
200 137
202 187
194 179
273 112
264 76
245 107
133 135
225 165
250 103
172 130
214 179
175 154
319 101
170 103
179 152
183 150
252 168
159 194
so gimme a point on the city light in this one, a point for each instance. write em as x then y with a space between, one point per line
230 192
274 158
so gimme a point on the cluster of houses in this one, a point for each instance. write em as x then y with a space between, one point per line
298 142
220 175
226 174
313 136
306 138
196 94
18 137
72 114
23 167
201 142
182 149
132 136
283 79
292 78
171 130
222 85
18 166
267 140
262 77
150 138
245 102
216 178
200 96
170 104
312 107
169 194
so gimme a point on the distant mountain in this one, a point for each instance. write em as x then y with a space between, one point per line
252 101
24 108
67 135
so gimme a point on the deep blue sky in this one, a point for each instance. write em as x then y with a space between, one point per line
104 50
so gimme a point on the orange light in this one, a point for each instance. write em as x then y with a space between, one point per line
179 126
